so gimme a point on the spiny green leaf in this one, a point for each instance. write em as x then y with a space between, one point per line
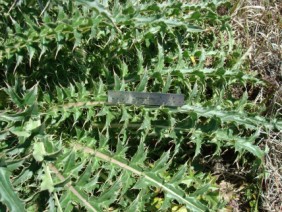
167 85
179 175
69 162
47 182
7 193
31 96
32 124
4 135
20 132
137 205
38 151
24 176
160 64
146 124
117 82
142 85
246 145
100 9
31 52
139 157
162 163
124 69
201 190
110 195
229 116
197 139
190 202
14 96
85 176
19 59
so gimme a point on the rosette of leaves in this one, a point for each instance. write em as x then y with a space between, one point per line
64 148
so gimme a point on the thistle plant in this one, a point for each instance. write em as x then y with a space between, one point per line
64 148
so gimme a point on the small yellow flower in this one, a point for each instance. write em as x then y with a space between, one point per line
193 60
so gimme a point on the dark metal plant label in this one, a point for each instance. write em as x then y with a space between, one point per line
139 98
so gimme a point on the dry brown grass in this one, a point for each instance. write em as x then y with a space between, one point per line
258 25
272 196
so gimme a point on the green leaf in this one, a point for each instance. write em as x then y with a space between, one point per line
14 96
249 122
197 139
32 124
248 146
20 132
125 115
24 176
69 162
47 182
4 135
146 124
85 176
160 64
31 96
177 194
179 175
7 193
100 9
139 157
137 205
201 190
143 83
110 195
161 164
78 37
167 84
19 59
117 82
43 46
38 151
124 69
31 52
